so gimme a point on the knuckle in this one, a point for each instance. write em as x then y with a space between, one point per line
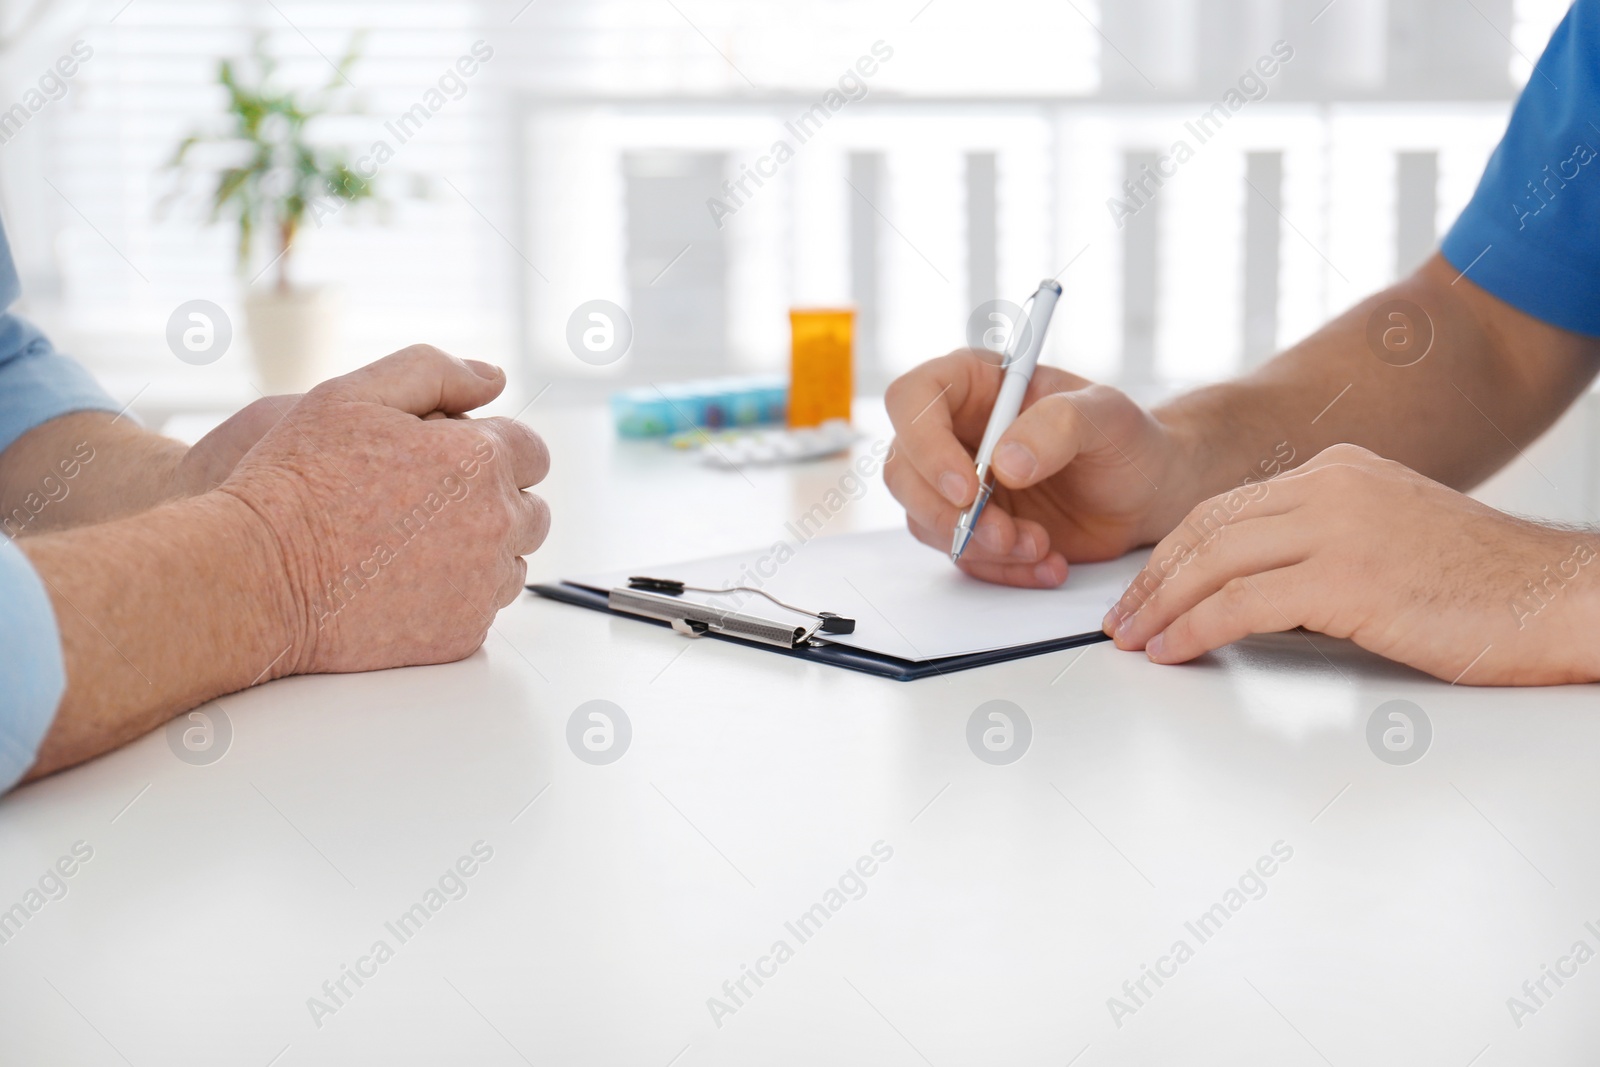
541 450
519 436
1235 596
1339 477
516 580
423 352
318 392
1059 409
1061 418
1207 518
895 393
1116 415
1099 392
539 509
1345 452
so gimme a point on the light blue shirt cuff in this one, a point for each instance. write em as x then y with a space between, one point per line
31 666
38 384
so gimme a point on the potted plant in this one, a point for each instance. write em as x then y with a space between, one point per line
272 177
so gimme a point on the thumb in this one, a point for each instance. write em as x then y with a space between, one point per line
1056 429
421 379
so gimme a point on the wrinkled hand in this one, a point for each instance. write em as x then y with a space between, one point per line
401 535
1076 474
1356 546
210 460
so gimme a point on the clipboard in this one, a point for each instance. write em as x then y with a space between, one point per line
917 615
885 666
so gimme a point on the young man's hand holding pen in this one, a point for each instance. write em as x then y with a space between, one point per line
1076 475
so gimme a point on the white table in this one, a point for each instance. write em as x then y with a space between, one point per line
620 897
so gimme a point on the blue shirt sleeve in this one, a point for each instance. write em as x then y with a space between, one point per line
30 664
1531 233
37 384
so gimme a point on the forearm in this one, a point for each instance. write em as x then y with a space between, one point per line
158 613
81 468
1492 380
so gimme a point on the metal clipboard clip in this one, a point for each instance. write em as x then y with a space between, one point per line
659 598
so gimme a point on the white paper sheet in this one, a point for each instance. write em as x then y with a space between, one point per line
907 599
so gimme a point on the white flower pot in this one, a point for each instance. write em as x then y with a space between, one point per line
294 336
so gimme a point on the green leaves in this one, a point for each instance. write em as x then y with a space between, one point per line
282 173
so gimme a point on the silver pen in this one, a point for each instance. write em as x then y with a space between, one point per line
1018 367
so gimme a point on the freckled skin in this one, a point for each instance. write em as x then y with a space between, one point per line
364 481
366 524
